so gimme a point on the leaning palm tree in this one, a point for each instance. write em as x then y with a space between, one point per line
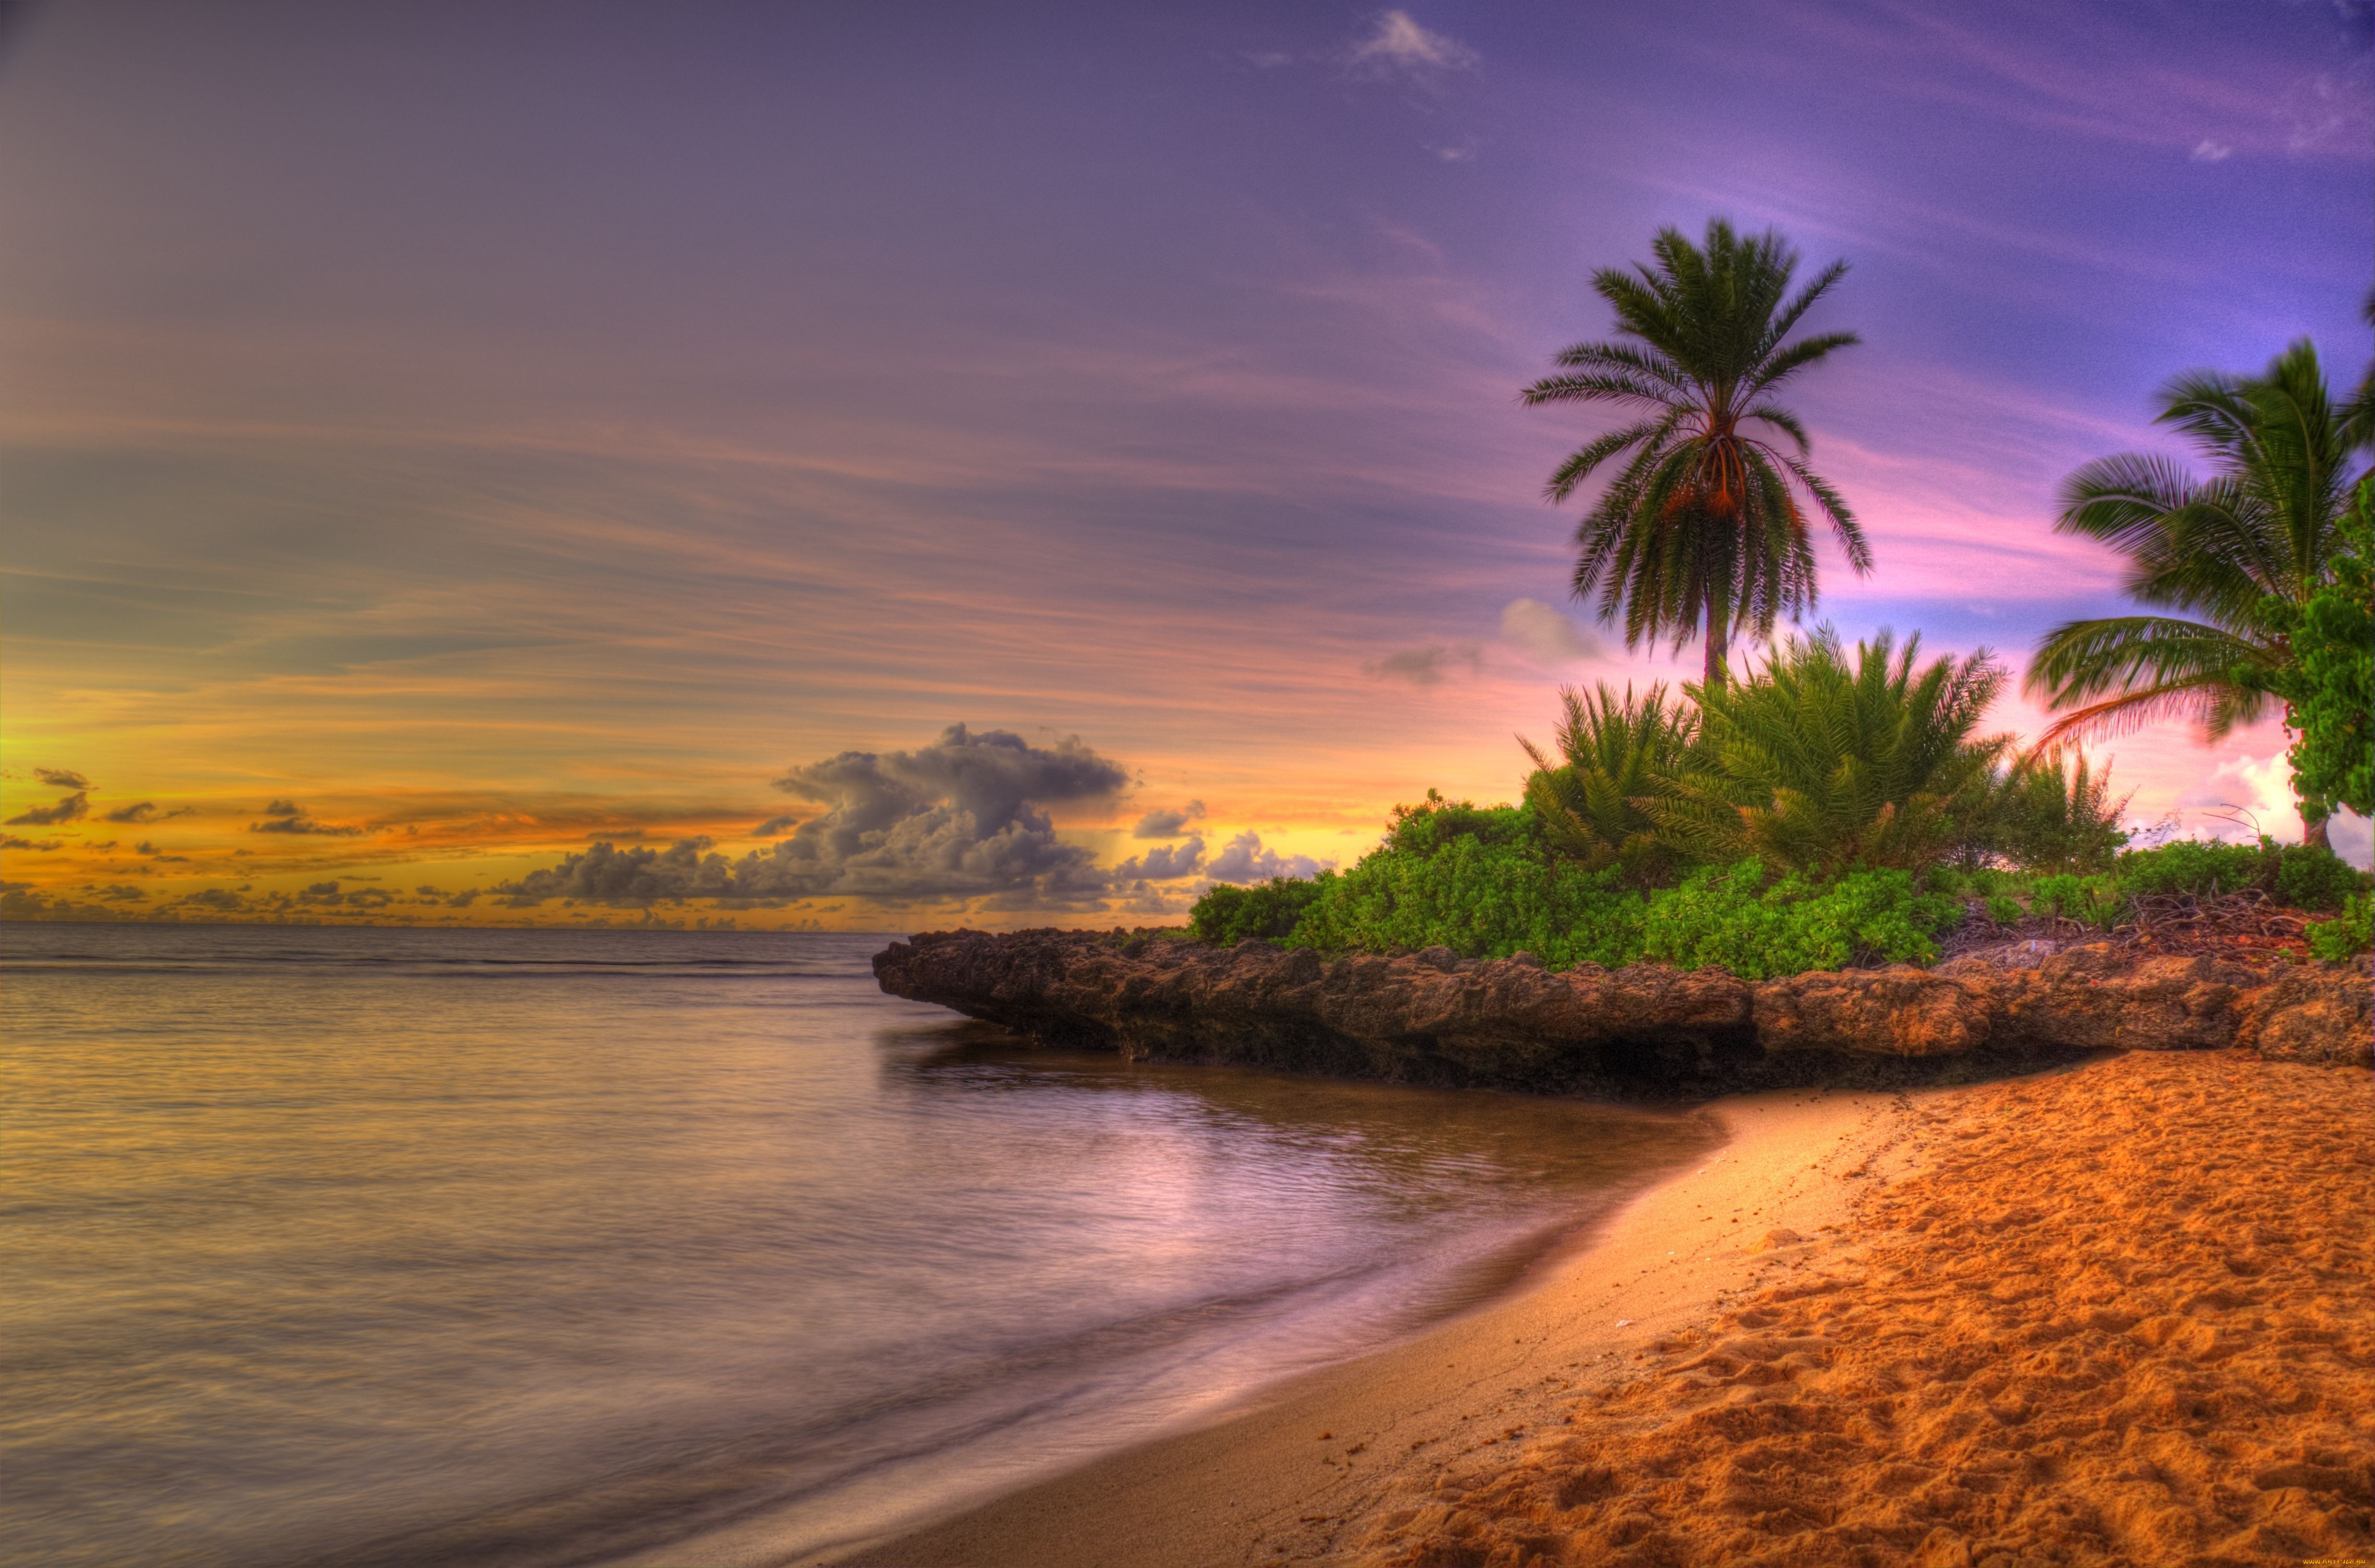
2235 555
1702 526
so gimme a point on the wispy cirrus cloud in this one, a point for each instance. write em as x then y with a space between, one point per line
1427 665
1397 43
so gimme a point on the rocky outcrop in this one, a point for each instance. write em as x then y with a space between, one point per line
1435 1018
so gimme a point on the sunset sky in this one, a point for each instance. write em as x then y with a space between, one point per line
1012 463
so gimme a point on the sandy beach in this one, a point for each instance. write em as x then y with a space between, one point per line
2115 1313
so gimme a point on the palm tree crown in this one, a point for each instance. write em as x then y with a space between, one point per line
1704 520
2233 554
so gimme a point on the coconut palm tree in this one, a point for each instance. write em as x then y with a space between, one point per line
2235 555
1704 526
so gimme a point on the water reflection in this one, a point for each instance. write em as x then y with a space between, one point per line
543 1248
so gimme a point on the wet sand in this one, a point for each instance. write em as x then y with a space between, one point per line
2117 1314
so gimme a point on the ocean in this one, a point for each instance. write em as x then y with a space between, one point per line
396 1247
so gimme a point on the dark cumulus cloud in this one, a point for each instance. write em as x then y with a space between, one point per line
637 875
1169 824
327 895
10 841
775 827
1243 859
965 817
961 817
73 808
286 817
61 778
1168 863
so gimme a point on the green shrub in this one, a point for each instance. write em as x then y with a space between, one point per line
2003 911
2202 867
1482 882
2097 900
2329 690
2353 931
1732 917
2296 875
2316 878
1226 916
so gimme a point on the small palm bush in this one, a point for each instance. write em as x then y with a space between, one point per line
2055 814
1619 755
1818 765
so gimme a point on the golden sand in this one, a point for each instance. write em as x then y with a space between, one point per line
2117 1315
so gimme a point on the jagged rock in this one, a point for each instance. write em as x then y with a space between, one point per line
1897 1011
1434 1016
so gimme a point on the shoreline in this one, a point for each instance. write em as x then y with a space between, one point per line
1263 1485
2110 1314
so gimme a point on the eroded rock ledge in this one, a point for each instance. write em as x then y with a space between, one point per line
1435 1018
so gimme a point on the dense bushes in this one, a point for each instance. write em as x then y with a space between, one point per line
1488 883
1832 809
1485 883
2296 875
1227 916
1757 929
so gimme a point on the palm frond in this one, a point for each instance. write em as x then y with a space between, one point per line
1797 357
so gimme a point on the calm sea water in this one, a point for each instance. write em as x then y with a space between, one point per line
391 1247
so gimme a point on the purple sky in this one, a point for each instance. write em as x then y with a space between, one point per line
495 426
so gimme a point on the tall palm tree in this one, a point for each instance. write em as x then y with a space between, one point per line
2236 554
1702 526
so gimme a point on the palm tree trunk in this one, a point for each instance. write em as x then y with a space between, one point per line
2314 834
1718 639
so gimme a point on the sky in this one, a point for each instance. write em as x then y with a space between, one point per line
879 467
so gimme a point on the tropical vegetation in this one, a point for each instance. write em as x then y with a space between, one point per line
1706 528
2329 690
2235 559
1818 764
1834 806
